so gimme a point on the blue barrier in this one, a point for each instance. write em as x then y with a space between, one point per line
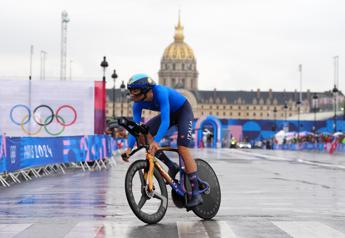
27 152
310 146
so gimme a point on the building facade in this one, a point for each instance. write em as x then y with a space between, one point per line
178 69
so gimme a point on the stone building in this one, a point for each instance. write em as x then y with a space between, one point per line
178 69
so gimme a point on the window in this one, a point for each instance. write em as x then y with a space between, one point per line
173 66
239 114
182 66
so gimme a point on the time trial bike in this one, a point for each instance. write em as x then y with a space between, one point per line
145 182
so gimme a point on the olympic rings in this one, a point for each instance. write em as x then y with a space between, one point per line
28 116
28 132
47 121
63 123
51 117
57 133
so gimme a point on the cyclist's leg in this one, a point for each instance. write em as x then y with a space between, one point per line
153 125
184 124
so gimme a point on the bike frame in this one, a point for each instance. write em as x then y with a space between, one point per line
179 188
140 130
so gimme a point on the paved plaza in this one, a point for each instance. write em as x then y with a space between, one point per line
264 194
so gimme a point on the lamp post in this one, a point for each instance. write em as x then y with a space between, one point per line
274 127
335 91
285 111
298 103
104 65
114 76
123 89
315 108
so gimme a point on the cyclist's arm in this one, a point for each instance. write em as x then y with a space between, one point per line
137 108
163 99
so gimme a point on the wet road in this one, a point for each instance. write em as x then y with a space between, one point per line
264 194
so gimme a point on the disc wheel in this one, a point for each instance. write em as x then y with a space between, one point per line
211 197
148 207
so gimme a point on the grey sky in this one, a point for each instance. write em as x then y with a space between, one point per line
239 44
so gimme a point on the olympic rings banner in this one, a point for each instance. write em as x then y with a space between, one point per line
27 152
48 108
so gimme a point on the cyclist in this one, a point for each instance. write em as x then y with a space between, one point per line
175 110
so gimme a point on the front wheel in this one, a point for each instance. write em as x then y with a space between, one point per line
148 207
211 197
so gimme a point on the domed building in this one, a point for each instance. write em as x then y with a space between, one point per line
245 115
178 64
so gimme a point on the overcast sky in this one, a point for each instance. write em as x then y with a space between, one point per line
238 44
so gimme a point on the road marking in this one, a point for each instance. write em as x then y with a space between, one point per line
99 230
219 229
308 229
191 229
11 230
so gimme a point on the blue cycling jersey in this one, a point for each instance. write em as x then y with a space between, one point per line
165 100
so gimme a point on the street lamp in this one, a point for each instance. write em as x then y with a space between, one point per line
315 108
114 76
335 91
298 103
123 89
104 65
285 111
274 127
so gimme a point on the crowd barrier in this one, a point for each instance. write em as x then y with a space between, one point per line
32 156
322 147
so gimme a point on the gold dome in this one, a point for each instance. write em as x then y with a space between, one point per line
178 50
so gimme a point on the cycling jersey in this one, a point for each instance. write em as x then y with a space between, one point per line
165 100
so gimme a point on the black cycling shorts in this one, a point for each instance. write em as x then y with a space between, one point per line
182 119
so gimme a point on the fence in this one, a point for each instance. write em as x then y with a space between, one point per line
25 157
322 147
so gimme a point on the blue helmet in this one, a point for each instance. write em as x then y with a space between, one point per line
141 81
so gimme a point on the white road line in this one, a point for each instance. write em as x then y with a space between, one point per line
97 229
11 230
308 229
191 229
224 230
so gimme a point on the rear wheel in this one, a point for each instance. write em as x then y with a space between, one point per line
148 207
212 196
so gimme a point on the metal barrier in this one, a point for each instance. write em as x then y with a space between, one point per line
25 158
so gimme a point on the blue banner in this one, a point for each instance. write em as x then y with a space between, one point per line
26 152
2 154
86 148
340 147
